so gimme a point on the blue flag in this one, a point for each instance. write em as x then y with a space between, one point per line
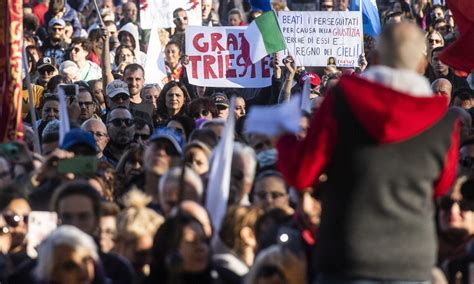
370 16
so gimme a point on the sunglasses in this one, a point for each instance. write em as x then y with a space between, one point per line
122 97
76 49
4 230
13 220
47 70
142 136
273 194
118 122
446 203
434 41
201 113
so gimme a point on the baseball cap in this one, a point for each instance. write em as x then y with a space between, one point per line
315 79
59 22
45 62
117 87
171 135
221 99
78 137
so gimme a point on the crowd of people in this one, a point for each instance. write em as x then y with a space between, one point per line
128 182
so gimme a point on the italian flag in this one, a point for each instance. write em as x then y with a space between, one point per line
264 36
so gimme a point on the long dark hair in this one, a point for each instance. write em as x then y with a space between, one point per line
162 111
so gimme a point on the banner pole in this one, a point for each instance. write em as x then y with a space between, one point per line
36 143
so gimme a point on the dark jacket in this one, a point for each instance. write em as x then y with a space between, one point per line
386 154
70 15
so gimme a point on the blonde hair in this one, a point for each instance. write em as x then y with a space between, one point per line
136 220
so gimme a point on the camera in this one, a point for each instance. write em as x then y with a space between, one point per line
69 89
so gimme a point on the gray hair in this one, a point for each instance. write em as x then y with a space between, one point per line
89 121
401 46
247 154
190 176
51 128
65 235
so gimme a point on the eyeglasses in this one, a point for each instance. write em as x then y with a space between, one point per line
274 194
203 112
98 134
13 220
4 230
86 104
118 122
467 162
57 28
446 203
142 136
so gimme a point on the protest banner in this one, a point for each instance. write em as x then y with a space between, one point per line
160 12
218 57
322 38
155 70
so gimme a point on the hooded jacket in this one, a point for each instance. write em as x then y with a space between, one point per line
385 154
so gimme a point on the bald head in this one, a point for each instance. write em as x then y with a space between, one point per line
442 86
402 46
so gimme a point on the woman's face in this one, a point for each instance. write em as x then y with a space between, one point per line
234 20
174 99
72 266
239 107
50 111
133 168
172 54
126 55
434 41
194 248
198 160
16 216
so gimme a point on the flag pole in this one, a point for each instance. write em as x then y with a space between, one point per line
36 143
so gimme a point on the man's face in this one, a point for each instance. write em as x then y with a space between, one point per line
130 12
46 73
159 156
181 21
439 67
98 129
142 135
78 53
135 80
120 127
270 192
84 99
151 95
234 20
434 40
119 100
341 5
56 32
326 5
78 210
206 8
